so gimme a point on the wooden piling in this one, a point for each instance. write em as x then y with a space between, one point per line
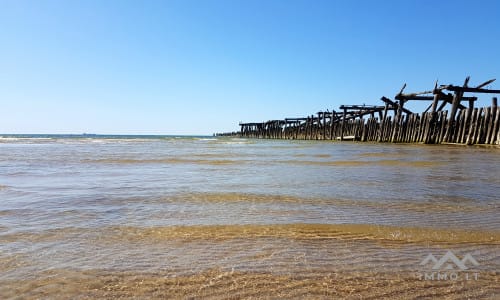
490 136
496 128
462 124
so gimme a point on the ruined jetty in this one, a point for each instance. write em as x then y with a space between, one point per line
392 122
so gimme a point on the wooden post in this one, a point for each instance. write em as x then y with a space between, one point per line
490 138
435 103
486 130
496 138
382 123
457 97
388 130
472 127
494 111
318 130
464 117
395 128
414 128
324 126
331 124
444 119
287 131
308 125
409 128
365 128
400 109
277 129
293 130
311 127
453 112
428 128
479 122
342 125
421 128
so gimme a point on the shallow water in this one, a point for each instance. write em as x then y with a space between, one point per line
104 209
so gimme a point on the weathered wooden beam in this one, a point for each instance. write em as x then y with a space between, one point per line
325 113
394 104
470 90
442 105
271 122
292 120
454 106
456 100
250 124
372 107
413 96
435 101
358 114
485 83
402 89
440 97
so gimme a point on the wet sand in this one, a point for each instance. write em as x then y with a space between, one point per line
314 261
219 284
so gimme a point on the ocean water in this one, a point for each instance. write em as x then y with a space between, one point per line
175 217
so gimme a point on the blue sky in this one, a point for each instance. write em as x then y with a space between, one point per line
198 67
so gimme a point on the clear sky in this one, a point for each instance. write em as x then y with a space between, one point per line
198 67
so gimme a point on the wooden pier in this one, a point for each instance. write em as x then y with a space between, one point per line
393 122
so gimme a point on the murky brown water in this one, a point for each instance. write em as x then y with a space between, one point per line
165 217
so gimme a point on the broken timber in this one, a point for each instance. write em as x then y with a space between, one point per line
392 122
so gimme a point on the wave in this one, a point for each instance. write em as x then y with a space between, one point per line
435 205
382 154
326 163
83 139
311 232
206 139
293 231
360 163
162 161
25 139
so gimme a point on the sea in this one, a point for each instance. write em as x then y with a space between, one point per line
201 217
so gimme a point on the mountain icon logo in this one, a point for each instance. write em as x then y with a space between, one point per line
449 261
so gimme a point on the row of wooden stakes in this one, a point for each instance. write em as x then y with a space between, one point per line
464 125
472 126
